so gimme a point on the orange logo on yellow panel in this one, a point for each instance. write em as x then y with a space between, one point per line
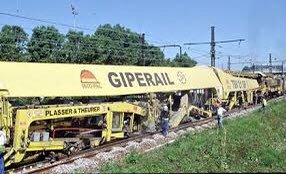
88 80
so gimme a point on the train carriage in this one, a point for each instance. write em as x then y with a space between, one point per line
81 106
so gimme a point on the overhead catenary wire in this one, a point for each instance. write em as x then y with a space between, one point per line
109 52
128 44
88 44
43 21
102 38
95 49
67 25
112 30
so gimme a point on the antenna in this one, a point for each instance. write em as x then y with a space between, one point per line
18 6
74 12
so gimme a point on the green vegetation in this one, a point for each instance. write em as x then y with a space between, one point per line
252 144
113 45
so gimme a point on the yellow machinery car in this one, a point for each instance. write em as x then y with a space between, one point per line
81 106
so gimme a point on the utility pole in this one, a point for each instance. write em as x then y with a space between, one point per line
142 38
270 63
253 67
213 44
228 63
179 46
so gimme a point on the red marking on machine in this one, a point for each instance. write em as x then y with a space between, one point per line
88 80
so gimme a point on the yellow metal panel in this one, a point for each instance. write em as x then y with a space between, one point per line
45 145
117 135
2 86
55 111
231 83
42 79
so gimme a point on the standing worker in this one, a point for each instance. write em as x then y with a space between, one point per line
126 127
220 112
165 120
264 103
2 150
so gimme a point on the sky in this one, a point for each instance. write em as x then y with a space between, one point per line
260 22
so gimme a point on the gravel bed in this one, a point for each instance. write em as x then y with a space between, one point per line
159 138
82 163
171 136
146 143
190 129
181 132
132 146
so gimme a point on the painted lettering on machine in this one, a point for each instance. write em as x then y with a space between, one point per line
130 79
72 111
239 84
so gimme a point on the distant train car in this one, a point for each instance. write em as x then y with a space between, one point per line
270 86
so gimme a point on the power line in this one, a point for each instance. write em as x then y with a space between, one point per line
174 45
150 50
198 50
43 21
213 44
106 38
79 43
200 56
86 52
62 24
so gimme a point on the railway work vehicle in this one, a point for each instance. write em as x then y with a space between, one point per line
55 109
270 85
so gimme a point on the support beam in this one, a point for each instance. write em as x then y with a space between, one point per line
175 45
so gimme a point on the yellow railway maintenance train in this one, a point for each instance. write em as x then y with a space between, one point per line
81 106
269 85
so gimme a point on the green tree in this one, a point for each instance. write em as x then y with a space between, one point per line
79 48
117 45
183 61
246 68
13 42
45 45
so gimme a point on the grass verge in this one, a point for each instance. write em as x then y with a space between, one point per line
249 144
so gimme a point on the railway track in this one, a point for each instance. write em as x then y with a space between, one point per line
45 166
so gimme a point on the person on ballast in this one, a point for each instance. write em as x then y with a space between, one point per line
126 129
264 104
165 120
220 112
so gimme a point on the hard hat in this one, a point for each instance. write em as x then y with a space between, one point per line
165 108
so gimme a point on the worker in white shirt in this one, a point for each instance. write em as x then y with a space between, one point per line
264 104
126 129
2 150
220 112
